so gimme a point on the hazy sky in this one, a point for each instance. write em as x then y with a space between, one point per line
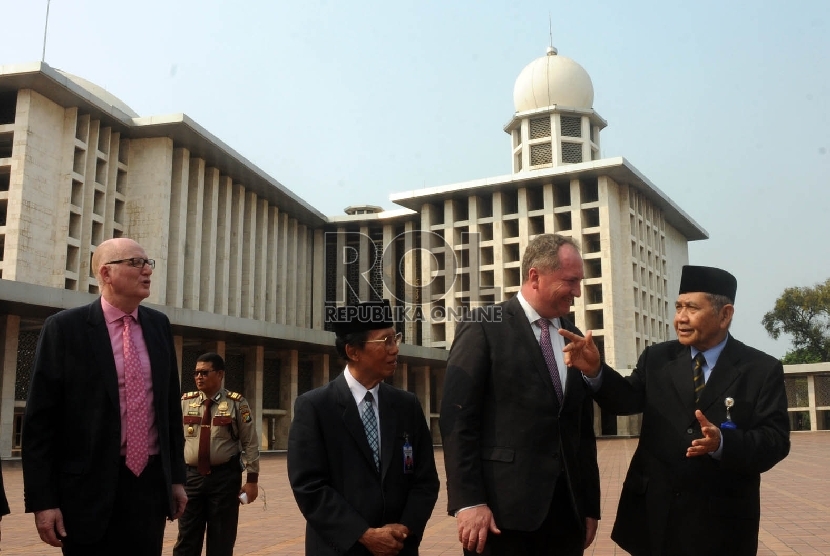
725 106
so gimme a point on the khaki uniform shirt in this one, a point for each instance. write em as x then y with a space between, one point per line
232 429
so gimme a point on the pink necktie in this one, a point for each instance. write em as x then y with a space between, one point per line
137 425
550 357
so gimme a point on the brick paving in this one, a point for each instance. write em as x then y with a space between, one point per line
795 508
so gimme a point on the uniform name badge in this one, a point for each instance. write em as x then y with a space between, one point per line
408 462
728 424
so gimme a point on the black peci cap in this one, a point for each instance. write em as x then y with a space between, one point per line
708 279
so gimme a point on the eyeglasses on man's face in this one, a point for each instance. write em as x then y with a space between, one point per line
202 372
135 262
389 341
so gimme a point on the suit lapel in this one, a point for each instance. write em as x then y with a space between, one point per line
517 321
388 426
351 418
99 341
154 342
725 372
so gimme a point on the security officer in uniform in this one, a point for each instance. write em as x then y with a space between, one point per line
217 425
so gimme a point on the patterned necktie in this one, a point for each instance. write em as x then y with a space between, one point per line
370 424
550 358
203 463
698 375
138 436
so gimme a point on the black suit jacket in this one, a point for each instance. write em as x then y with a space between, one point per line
506 437
72 424
333 475
721 497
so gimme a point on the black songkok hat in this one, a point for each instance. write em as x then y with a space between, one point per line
370 315
708 279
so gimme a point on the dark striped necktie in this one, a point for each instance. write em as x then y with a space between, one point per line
700 382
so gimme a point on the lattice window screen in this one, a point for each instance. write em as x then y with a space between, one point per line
235 372
26 346
822 383
796 391
571 153
541 154
305 376
189 357
571 126
540 127
272 369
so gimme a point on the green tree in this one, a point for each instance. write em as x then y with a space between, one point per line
804 314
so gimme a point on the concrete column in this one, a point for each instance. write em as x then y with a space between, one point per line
547 195
410 331
498 243
389 261
301 277
9 333
321 369
272 270
399 379
207 260
236 253
426 272
318 280
249 250
193 243
811 398
223 245
340 267
148 204
292 285
178 344
282 267
254 363
364 264
178 227
259 271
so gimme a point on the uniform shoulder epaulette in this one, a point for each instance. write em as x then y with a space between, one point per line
234 396
190 395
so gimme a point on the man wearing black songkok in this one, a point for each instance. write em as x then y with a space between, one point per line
714 418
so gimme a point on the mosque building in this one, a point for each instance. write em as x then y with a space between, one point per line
247 268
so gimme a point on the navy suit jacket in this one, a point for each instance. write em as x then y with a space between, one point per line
72 424
333 475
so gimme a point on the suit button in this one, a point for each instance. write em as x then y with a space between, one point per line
690 430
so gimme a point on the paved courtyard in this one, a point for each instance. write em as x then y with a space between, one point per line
795 512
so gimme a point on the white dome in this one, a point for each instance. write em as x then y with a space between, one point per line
550 80
101 93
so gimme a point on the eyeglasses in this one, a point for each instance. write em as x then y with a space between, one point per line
203 373
136 262
390 341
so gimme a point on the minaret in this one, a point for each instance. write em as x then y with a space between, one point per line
555 122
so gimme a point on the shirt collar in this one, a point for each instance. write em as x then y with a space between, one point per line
531 313
712 354
358 390
113 313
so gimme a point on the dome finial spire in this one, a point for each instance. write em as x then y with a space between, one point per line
551 49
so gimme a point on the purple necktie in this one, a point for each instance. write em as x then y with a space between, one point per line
138 436
550 358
